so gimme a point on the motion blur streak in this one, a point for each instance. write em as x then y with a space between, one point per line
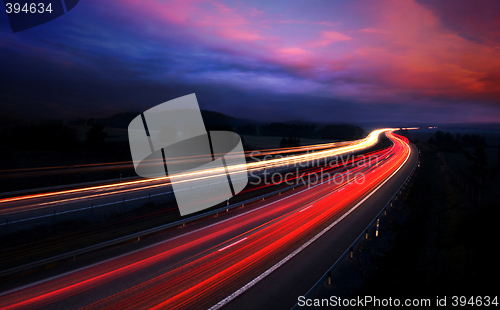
330 149
190 271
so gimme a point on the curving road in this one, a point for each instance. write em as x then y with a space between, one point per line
23 211
260 256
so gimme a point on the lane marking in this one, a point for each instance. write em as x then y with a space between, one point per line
162 242
300 249
109 203
305 208
80 209
234 243
185 234
55 203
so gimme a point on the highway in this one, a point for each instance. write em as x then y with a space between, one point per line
259 256
24 211
281 288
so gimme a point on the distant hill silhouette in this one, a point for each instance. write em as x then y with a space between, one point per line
219 121
122 120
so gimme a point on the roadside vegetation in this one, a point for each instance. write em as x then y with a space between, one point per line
439 240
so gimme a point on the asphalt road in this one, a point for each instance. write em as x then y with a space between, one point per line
281 289
204 262
28 210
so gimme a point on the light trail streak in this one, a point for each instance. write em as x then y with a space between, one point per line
191 271
350 161
234 243
305 208
329 150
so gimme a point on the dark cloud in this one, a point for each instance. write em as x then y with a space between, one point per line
96 61
477 20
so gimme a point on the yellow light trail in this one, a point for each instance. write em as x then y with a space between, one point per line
333 149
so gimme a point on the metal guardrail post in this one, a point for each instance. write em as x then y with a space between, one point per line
147 232
135 236
328 275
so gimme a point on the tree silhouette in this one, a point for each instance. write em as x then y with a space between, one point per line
289 142
96 134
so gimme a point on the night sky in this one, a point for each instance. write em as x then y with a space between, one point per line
326 61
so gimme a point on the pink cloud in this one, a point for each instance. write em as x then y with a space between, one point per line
334 36
372 30
424 57
199 18
294 51
329 37
401 49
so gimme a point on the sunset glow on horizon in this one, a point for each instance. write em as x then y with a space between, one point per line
346 60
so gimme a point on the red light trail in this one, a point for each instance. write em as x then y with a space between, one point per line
200 267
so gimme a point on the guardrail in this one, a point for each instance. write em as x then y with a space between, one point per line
138 235
327 275
65 187
92 206
73 185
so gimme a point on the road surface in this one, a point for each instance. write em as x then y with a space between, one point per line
277 245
